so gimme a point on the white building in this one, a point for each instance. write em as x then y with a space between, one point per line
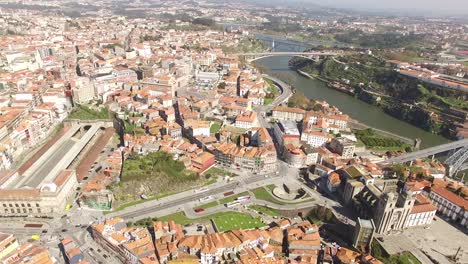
247 120
288 113
315 138
450 204
84 91
343 146
422 213
49 199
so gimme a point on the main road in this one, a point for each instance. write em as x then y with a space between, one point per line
176 201
286 92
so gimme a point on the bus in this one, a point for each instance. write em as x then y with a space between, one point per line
35 237
232 204
243 198
228 193
33 225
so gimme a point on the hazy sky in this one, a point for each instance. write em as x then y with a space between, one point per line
437 6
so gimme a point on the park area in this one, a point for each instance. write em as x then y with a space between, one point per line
272 92
372 140
234 220
83 112
155 175
224 221
215 127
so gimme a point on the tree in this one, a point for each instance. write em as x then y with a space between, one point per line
221 85
204 21
317 107
377 251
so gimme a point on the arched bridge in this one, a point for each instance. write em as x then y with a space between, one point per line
456 161
252 56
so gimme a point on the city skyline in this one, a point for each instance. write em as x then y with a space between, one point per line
155 132
411 7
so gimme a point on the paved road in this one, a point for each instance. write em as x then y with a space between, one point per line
261 110
149 207
286 92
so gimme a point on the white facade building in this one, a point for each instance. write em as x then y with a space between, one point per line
450 204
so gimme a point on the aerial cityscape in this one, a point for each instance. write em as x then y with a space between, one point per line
209 131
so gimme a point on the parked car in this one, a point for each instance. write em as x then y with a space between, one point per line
199 210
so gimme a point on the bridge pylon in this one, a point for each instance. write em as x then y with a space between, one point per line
456 161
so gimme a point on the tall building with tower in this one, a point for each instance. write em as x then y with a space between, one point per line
393 211
379 200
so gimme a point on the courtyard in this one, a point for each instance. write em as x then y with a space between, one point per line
440 242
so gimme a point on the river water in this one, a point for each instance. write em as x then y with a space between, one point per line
357 109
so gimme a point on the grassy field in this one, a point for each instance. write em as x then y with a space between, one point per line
133 129
271 87
268 101
266 195
404 56
215 127
132 203
218 172
131 197
83 112
208 205
372 140
179 218
233 220
404 258
262 194
224 221
265 210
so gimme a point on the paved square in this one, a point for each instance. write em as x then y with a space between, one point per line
439 241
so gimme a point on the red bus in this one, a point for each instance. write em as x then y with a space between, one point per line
228 193
33 225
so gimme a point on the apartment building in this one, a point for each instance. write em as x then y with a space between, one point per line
288 113
255 159
343 146
246 120
315 138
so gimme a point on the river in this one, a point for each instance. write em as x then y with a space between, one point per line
357 109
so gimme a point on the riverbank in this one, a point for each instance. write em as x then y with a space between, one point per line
376 83
349 91
355 125
330 84
358 110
